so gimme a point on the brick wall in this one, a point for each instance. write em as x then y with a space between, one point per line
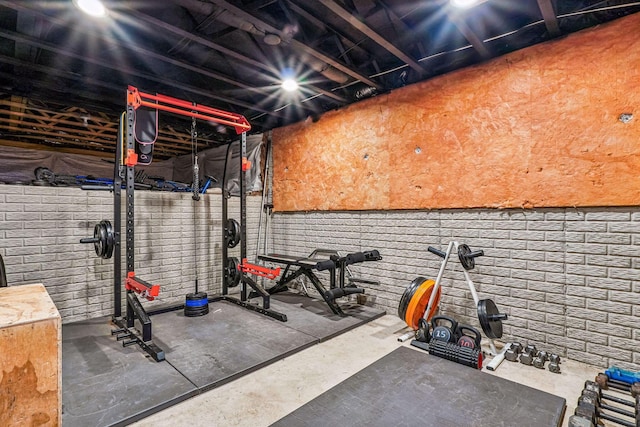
568 278
40 229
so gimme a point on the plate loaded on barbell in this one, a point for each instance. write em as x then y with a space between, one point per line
490 319
233 274
232 233
103 239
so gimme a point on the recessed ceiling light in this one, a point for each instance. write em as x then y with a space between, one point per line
465 4
289 85
91 7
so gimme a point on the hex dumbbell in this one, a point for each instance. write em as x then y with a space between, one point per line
513 352
593 387
606 383
554 363
540 360
528 354
590 407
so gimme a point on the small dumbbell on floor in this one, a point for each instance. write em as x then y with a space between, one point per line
513 352
528 354
540 360
554 363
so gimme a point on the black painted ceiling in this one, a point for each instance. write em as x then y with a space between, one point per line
231 55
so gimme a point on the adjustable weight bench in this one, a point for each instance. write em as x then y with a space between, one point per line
298 266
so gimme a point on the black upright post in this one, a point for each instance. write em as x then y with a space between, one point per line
225 214
117 222
130 186
243 211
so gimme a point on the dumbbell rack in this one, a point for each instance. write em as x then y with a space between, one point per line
453 245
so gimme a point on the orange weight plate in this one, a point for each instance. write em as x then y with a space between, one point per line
418 304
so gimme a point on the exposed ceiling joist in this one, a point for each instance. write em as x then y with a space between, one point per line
294 43
549 15
467 32
366 30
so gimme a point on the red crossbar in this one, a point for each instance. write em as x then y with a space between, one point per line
141 287
258 270
137 99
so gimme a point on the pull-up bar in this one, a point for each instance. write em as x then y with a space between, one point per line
138 99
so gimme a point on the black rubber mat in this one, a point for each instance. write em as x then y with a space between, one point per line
315 318
412 388
105 384
228 342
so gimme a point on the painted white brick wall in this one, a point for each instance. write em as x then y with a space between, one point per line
568 278
40 230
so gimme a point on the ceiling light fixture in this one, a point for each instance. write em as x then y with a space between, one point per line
91 7
465 4
289 85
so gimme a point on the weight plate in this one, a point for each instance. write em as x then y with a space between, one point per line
407 295
232 273
232 233
105 239
468 263
44 174
492 327
418 304
111 239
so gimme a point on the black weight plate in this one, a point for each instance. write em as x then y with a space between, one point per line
492 328
407 295
3 274
232 233
110 244
233 274
467 262
44 174
99 233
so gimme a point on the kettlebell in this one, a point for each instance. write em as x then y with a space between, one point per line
444 332
468 336
423 334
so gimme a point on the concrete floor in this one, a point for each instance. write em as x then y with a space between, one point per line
265 396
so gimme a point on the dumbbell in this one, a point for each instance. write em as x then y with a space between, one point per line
539 361
554 363
590 407
444 332
468 336
513 352
580 421
605 383
528 354
591 387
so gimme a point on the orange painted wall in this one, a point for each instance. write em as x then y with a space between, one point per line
535 128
